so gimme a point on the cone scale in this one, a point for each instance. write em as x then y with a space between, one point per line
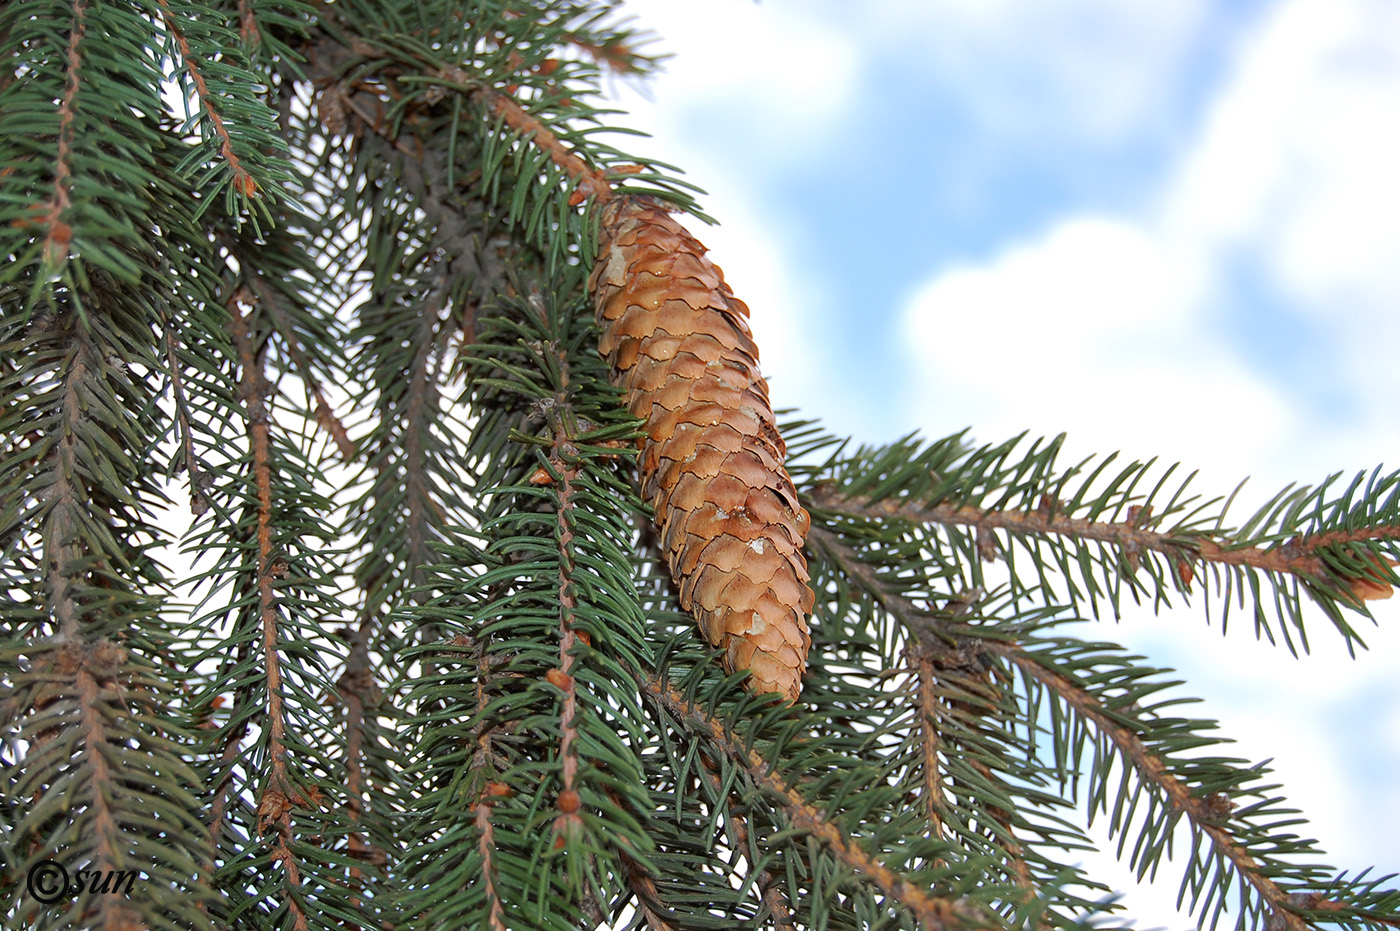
679 344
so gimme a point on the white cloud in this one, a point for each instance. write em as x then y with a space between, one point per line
759 75
1294 168
1094 329
1096 69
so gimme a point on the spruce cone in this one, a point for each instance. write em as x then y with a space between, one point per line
712 462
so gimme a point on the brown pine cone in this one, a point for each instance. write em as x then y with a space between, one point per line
678 341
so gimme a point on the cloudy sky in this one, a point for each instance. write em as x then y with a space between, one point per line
1170 229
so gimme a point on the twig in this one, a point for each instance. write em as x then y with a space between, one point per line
354 687
199 503
248 24
1298 557
1152 768
935 912
243 182
325 414
935 803
278 796
59 234
568 821
590 181
486 846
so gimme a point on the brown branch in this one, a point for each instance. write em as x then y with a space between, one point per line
278 796
935 802
1298 557
638 880
644 888
248 24
769 892
59 234
614 55
355 688
567 822
325 414
933 911
486 846
1006 840
243 182
590 181
60 526
422 392
1151 767
231 751
932 710
106 657
490 789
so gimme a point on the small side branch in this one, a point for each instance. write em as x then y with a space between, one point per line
567 822
97 747
1015 854
483 757
1298 557
590 181
278 796
934 912
355 688
325 414
199 501
486 847
243 182
1152 768
935 801
59 234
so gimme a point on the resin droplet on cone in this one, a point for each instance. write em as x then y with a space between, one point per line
678 341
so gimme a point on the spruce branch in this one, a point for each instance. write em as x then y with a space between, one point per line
483 759
591 182
199 502
96 748
1300 556
935 912
355 690
567 821
243 182
277 795
486 847
248 29
932 792
325 414
1090 531
921 622
1154 769
58 234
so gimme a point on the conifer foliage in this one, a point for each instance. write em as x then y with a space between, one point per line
325 271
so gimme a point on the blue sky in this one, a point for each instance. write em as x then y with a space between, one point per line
1185 215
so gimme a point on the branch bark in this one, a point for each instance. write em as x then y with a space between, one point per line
1298 557
936 913
278 796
